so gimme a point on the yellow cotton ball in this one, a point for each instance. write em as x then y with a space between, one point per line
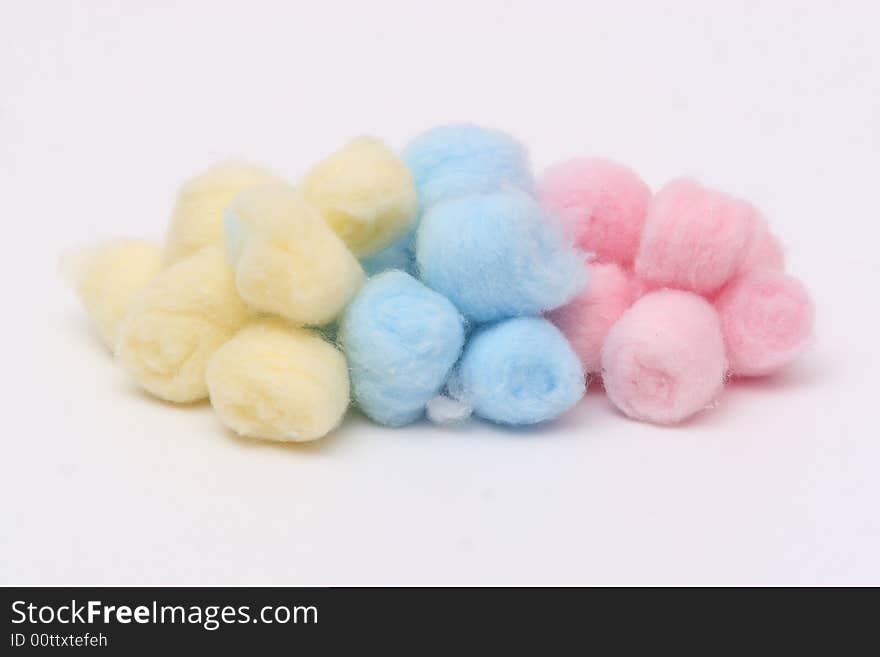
108 276
287 261
197 220
177 322
366 193
276 382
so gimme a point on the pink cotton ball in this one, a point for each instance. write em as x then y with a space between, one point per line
601 203
695 238
767 320
587 320
664 358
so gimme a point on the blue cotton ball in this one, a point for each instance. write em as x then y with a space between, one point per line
401 340
520 371
462 158
495 256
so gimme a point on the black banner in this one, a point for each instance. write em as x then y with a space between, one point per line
147 620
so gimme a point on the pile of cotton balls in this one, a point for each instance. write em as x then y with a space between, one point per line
687 289
447 283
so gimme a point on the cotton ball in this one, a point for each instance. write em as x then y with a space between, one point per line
177 322
401 340
365 193
287 261
197 220
766 319
276 382
494 256
519 371
602 204
586 320
694 238
664 358
462 158
108 276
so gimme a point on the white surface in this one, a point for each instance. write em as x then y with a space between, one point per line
106 107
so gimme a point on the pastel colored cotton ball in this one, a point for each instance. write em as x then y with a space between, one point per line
108 276
766 319
494 256
197 220
520 371
401 340
694 238
664 358
287 261
586 320
177 322
463 158
276 382
366 194
602 204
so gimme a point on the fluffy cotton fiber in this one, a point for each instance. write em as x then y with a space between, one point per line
766 319
447 411
400 255
694 238
494 256
588 318
366 194
108 276
287 261
197 220
463 158
664 358
520 371
601 203
177 322
401 340
276 382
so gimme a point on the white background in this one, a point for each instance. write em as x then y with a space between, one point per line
106 107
